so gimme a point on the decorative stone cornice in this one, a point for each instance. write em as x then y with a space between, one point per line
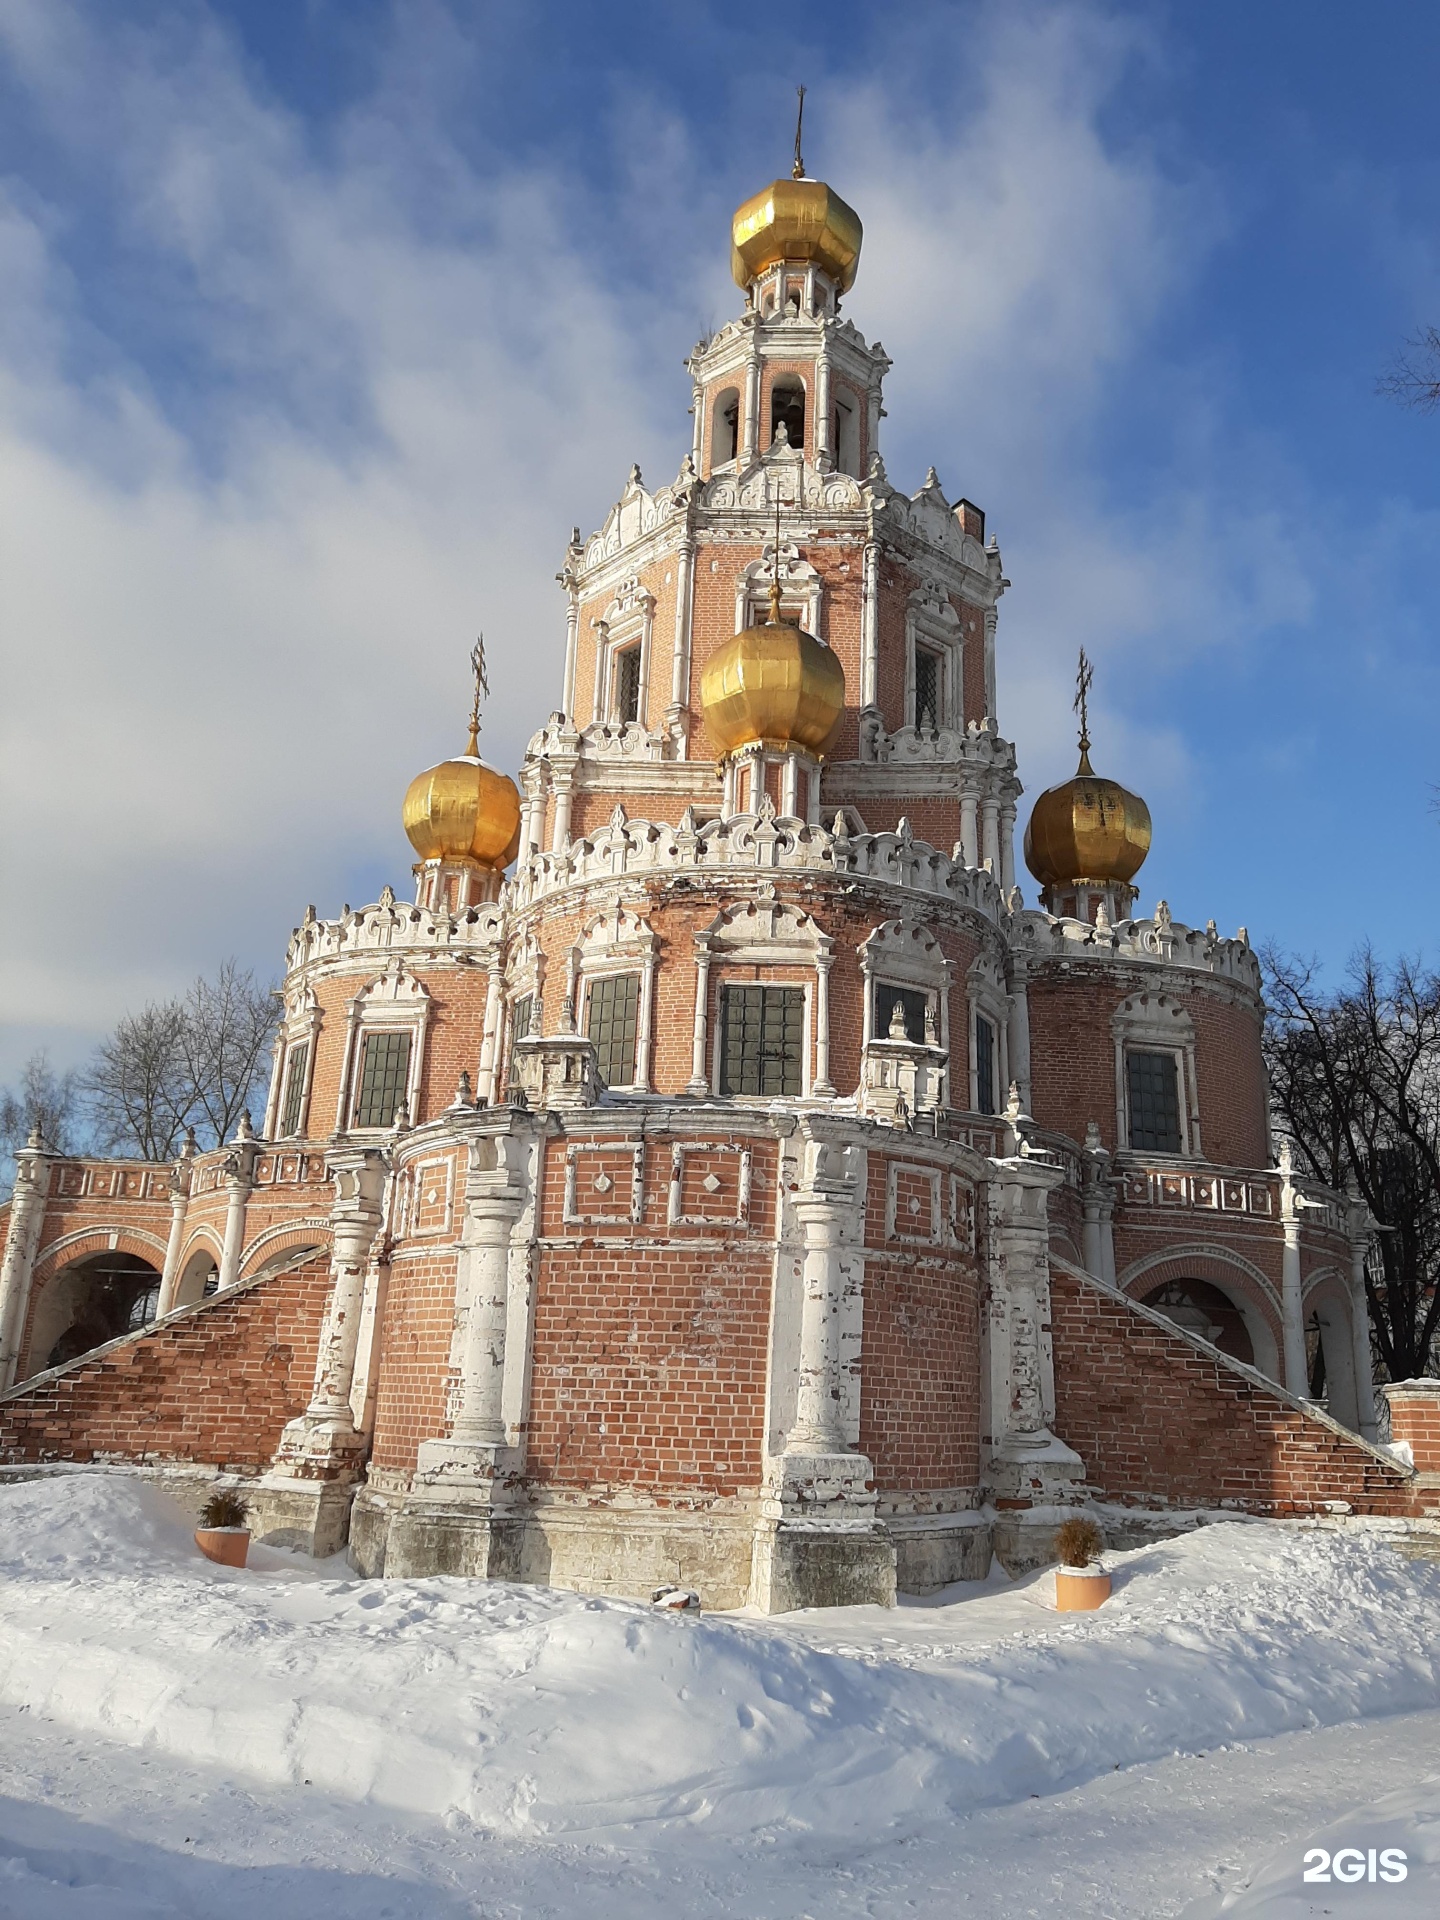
1160 941
391 928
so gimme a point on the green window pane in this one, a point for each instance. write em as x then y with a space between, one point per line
611 1020
295 1067
762 1037
384 1075
1154 1102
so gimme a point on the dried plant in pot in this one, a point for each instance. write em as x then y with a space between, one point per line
1081 1583
222 1535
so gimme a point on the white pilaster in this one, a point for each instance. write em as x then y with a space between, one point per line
27 1215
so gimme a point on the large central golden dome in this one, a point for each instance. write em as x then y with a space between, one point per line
463 810
802 220
1087 828
775 684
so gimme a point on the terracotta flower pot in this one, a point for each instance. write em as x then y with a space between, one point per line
1081 1589
227 1546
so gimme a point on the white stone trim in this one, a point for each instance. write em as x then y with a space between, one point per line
1155 1023
394 1002
571 1215
678 1155
932 622
619 942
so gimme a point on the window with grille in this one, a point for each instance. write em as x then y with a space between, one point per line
627 684
929 672
611 1019
384 1076
522 1015
295 1065
984 1065
762 1038
1154 1102
912 1002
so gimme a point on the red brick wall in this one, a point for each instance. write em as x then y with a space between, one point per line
410 1401
650 1340
215 1386
1415 1417
1152 1417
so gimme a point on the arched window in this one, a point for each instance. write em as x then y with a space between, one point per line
845 436
787 409
725 427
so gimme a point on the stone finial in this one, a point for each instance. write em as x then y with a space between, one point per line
402 1117
841 827
35 1141
464 1097
1212 932
1012 1103
932 478
387 898
245 1131
897 1021
1243 936
1093 1142
189 1149
634 479
1163 922
1102 917
781 437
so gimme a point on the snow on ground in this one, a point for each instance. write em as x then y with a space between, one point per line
174 1733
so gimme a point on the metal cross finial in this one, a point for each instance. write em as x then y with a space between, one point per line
797 172
1084 680
482 689
775 568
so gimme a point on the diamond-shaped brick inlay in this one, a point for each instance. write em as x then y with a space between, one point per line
711 1183
603 1183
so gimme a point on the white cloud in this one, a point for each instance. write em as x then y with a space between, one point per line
348 404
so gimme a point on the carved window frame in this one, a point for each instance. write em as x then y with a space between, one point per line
737 938
932 622
987 998
394 1002
802 591
615 942
300 1026
904 953
1156 1023
628 621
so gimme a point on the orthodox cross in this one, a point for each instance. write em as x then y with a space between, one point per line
482 689
775 568
1084 680
797 172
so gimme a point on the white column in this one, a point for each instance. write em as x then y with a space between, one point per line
644 1023
680 665
969 835
818 1426
355 1217
873 423
870 624
1019 1026
824 451
1360 1327
480 1418
822 1086
789 785
990 828
490 1034
991 620
750 407
560 836
1007 845
237 1199
1292 1302
27 1216
179 1204
698 1081
572 638
697 438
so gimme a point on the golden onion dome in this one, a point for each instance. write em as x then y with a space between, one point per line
1087 828
801 220
463 810
773 683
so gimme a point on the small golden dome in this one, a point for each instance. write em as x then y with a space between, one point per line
1087 828
796 220
773 683
463 810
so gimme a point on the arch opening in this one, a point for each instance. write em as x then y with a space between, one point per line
199 1278
787 409
725 427
91 1302
1199 1306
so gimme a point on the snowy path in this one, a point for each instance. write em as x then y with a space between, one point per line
177 1739
91 1831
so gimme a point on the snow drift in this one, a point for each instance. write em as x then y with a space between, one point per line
532 1712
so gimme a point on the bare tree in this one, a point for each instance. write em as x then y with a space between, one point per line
1355 1081
42 1100
139 1091
187 1064
1414 379
225 1035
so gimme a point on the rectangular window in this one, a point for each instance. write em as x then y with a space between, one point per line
384 1077
627 684
522 1013
929 679
295 1065
912 1002
611 1019
1154 1102
762 1038
984 1065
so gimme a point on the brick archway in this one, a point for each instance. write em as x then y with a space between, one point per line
1243 1287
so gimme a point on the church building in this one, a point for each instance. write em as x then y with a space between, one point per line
718 1173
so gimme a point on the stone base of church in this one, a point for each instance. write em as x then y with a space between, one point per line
312 1516
815 1563
472 1542
932 1550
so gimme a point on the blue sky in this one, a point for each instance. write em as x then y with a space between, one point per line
324 322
